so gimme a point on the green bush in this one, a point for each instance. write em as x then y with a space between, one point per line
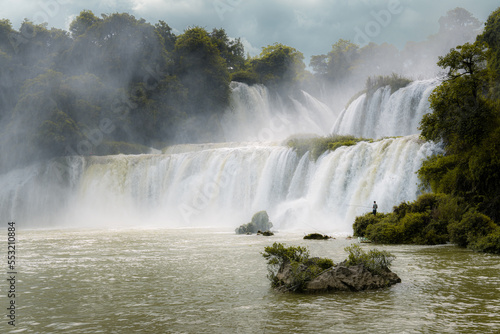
362 222
413 225
395 81
489 243
316 236
375 260
324 263
246 76
425 202
304 269
471 228
424 221
385 232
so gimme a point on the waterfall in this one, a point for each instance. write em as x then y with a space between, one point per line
384 114
220 186
224 184
258 115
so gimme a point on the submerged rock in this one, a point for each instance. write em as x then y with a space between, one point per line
337 278
317 236
260 222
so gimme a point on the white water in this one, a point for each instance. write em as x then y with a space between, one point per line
384 114
217 187
258 115
225 184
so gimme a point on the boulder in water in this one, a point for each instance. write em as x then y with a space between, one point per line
337 278
316 236
260 222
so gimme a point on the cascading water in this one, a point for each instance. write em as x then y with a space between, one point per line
224 184
384 114
258 115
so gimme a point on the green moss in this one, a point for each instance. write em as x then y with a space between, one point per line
319 145
114 147
395 81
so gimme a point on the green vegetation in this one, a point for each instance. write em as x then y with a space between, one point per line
304 268
465 179
119 79
319 145
375 260
430 220
278 255
466 119
316 236
394 80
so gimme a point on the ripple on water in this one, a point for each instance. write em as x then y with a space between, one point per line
190 281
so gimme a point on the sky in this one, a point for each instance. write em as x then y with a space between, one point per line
310 26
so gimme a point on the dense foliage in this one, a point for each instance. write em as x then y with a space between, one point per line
430 220
466 119
116 81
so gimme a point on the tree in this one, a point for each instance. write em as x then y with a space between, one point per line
165 32
202 70
82 23
461 116
341 59
279 64
232 51
460 23
319 64
491 36
466 119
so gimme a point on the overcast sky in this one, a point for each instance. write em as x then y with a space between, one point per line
310 26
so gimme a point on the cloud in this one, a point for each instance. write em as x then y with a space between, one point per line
309 26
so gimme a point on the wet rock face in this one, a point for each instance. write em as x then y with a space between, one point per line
354 278
338 278
260 222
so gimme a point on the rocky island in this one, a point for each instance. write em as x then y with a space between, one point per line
292 270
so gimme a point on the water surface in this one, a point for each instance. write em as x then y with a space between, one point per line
213 281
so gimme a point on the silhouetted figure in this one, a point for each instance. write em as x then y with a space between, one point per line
375 207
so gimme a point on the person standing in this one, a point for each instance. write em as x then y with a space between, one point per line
375 207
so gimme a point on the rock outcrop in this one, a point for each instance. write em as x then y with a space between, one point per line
260 222
337 278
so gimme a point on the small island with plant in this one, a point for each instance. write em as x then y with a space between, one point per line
291 269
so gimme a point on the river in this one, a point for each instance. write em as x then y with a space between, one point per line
206 280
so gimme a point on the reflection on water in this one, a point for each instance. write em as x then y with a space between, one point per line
208 281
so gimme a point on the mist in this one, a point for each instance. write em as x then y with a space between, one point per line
117 85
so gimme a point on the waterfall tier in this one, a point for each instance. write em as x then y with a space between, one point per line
383 114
